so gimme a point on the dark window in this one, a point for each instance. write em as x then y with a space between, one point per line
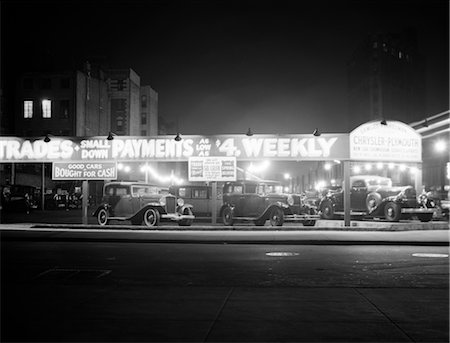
64 109
143 118
199 194
359 184
46 83
144 101
120 85
28 83
65 83
143 133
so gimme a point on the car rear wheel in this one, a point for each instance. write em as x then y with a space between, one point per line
425 217
276 217
151 217
392 212
186 222
227 216
102 217
327 210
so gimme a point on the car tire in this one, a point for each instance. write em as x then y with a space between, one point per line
327 210
425 217
151 217
392 212
227 216
186 222
102 217
276 217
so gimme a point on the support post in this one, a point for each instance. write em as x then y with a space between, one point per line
418 183
43 187
13 174
85 201
346 185
214 202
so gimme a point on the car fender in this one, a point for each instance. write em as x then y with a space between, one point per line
105 206
140 213
182 208
268 210
331 199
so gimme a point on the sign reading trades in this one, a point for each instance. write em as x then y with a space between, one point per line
80 170
395 142
212 169
165 148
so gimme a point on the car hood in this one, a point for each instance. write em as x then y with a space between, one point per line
409 191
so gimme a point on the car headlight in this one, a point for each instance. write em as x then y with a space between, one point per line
162 201
290 200
180 202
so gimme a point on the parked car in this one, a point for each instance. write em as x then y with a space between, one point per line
200 196
18 198
259 201
141 203
374 196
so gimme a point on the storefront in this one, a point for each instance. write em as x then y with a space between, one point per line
97 158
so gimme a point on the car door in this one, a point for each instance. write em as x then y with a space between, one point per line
123 199
250 201
358 193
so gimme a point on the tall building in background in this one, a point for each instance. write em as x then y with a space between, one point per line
149 112
386 80
91 102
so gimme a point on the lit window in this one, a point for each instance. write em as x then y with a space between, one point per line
400 55
28 109
46 108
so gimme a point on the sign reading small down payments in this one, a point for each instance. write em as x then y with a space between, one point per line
84 170
213 168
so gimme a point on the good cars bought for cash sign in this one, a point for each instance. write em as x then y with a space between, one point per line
84 170
165 148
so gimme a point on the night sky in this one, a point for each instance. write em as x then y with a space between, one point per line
224 66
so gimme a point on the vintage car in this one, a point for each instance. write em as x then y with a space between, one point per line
374 196
18 198
259 201
141 204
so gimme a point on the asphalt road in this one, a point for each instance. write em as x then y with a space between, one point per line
138 291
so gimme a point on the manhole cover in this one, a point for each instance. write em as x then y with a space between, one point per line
281 253
422 254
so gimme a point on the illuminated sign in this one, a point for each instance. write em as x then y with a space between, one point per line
212 168
395 142
80 170
165 148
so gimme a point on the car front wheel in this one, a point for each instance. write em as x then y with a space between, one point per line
186 222
327 210
392 212
102 217
151 217
276 217
227 216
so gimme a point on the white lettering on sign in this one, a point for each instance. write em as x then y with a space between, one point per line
55 149
287 147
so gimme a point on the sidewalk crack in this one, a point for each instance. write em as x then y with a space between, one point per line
219 312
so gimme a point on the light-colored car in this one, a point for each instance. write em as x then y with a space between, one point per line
141 204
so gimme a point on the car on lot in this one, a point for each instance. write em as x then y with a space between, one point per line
18 198
375 196
259 201
141 204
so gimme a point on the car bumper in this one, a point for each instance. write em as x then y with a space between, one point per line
177 217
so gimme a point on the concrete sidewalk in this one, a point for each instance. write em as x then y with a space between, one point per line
223 235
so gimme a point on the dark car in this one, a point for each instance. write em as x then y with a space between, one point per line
18 198
374 196
259 201
141 203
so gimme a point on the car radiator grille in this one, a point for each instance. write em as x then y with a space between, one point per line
170 204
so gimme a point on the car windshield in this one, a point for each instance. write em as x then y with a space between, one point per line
144 190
